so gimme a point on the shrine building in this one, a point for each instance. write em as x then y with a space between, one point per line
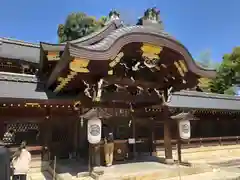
137 79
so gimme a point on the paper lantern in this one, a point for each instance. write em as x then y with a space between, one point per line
94 130
184 129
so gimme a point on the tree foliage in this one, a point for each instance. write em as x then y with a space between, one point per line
78 25
228 74
206 61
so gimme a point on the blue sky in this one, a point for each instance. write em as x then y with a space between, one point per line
201 25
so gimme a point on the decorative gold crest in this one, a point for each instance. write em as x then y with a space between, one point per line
116 60
65 81
79 65
181 67
32 104
151 49
151 54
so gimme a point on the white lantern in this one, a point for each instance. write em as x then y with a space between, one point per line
184 129
94 130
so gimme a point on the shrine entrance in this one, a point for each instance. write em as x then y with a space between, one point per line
131 68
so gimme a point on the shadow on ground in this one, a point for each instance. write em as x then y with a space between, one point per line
235 163
74 167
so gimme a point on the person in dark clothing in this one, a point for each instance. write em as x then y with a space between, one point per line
108 146
4 162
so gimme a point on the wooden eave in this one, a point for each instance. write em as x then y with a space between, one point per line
109 47
112 44
61 65
95 60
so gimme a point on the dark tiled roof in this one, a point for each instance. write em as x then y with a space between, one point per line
115 35
113 43
15 49
202 100
28 91
21 90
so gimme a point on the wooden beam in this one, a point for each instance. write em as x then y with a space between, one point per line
128 98
123 81
167 136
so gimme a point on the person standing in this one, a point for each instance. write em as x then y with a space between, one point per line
21 163
4 162
108 146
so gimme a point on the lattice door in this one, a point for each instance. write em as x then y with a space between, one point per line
21 131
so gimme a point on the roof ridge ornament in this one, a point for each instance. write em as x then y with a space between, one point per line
151 17
152 14
114 15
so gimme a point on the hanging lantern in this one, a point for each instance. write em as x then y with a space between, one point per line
94 130
77 106
184 129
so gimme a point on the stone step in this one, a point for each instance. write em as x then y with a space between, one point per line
40 176
38 165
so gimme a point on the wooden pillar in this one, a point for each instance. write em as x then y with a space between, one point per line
90 157
179 149
133 131
47 137
1 127
96 155
179 142
134 137
152 138
75 134
167 136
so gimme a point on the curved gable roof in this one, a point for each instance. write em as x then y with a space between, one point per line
112 44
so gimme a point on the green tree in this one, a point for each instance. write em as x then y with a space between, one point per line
78 25
228 74
206 61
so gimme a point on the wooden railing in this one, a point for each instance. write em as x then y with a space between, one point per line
209 141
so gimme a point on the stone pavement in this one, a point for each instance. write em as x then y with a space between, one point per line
148 171
211 163
40 176
224 161
216 175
